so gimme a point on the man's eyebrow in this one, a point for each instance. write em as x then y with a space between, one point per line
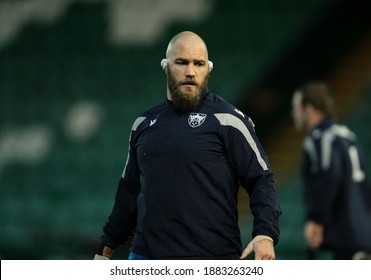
200 60
181 59
189 60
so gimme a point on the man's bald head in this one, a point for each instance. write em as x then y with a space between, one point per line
184 40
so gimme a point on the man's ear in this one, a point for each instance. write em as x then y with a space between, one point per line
309 109
164 63
211 65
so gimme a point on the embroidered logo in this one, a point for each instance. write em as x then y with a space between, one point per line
152 122
196 119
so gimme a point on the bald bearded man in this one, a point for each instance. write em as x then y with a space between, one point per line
188 156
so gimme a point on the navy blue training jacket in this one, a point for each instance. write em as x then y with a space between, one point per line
336 187
178 191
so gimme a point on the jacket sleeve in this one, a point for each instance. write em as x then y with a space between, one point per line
122 220
248 159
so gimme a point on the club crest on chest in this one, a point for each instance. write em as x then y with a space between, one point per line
196 119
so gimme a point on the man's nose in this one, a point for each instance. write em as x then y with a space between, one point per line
190 70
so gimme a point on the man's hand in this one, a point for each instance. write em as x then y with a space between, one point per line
100 257
105 254
263 247
313 233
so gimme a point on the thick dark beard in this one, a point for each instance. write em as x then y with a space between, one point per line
182 100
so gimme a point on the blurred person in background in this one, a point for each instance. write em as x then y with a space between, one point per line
187 158
336 191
